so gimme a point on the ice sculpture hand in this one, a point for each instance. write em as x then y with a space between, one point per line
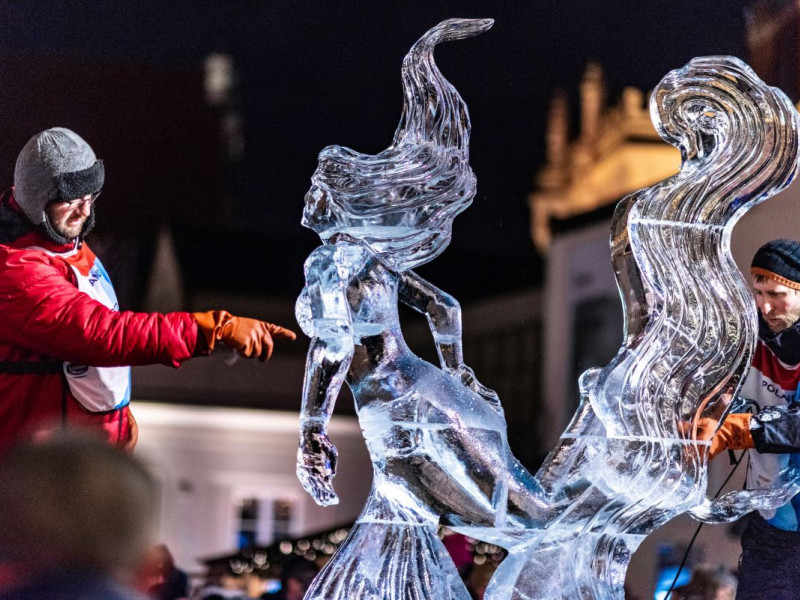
316 464
467 376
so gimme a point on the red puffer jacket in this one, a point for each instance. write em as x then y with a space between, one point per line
46 320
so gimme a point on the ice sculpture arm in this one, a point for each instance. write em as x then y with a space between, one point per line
444 317
734 505
323 314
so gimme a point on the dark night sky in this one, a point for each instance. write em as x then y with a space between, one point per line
324 72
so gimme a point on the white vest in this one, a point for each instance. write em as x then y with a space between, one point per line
98 389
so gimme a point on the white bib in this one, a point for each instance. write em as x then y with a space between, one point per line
98 389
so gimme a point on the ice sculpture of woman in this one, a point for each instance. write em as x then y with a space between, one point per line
436 436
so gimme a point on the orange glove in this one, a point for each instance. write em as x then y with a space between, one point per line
733 434
133 434
249 336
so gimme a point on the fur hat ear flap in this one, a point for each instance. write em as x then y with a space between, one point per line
78 184
47 230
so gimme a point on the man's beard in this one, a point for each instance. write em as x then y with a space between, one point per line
57 233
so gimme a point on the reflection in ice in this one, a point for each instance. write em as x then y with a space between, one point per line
629 459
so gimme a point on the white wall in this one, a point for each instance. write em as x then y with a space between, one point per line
578 269
208 458
776 217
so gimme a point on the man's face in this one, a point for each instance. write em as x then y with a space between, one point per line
778 304
68 218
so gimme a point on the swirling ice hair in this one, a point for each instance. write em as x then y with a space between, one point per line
402 200
690 319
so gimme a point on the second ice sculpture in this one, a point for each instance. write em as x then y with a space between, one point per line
630 459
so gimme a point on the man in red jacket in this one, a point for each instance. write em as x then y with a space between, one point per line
65 348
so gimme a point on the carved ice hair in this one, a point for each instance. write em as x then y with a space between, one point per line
632 449
402 201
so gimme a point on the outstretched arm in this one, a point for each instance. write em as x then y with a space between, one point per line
444 317
323 314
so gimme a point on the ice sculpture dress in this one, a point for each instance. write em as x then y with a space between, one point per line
432 439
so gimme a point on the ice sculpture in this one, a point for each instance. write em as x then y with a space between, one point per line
436 436
629 460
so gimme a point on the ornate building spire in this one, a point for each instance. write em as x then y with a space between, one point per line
617 151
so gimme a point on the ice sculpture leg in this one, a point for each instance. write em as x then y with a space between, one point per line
629 460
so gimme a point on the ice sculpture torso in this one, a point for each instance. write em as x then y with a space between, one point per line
409 409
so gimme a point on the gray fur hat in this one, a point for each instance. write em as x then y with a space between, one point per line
56 164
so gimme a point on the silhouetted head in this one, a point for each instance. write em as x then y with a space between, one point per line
75 502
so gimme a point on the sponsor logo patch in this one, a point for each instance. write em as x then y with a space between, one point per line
77 370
